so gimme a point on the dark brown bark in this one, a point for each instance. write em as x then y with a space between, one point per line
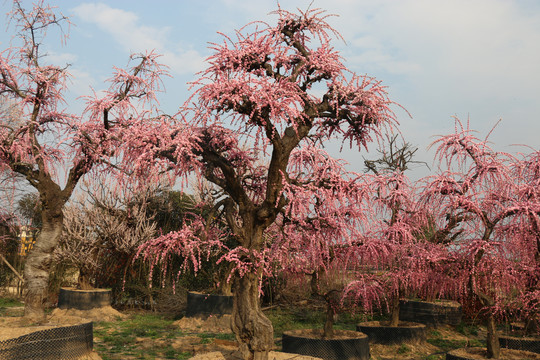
394 320
329 323
493 346
332 303
314 282
253 330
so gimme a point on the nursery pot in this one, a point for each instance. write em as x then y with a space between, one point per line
62 342
199 304
529 343
70 298
380 333
430 313
345 345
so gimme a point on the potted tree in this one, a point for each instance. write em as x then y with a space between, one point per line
41 140
395 222
492 196
308 239
253 107
110 222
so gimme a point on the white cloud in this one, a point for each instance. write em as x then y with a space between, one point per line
125 28
477 58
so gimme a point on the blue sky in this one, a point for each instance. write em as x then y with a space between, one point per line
477 59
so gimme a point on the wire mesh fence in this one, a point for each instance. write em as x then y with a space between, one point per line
527 344
69 342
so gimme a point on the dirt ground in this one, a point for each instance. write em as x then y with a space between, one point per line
506 354
217 349
213 324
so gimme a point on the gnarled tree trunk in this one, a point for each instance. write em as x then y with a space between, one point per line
38 264
253 330
83 281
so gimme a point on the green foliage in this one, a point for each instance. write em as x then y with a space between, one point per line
29 207
284 319
467 329
10 302
121 339
170 208
226 336
10 306
403 349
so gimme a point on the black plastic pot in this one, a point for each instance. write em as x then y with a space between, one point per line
520 343
70 298
208 304
65 342
380 333
430 313
347 345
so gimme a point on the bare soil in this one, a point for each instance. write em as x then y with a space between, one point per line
387 324
318 334
506 354
392 352
212 324
274 355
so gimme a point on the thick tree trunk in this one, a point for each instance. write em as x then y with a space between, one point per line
394 320
37 267
83 281
493 346
253 330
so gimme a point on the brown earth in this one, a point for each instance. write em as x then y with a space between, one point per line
506 354
212 324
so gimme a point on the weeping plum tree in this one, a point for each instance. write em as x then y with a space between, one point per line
524 234
49 147
489 199
396 220
270 93
321 234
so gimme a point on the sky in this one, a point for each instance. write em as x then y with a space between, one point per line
478 60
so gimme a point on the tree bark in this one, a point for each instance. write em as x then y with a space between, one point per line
83 281
493 346
394 320
253 330
332 302
37 266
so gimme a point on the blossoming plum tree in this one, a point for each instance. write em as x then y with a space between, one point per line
273 94
396 221
488 195
524 235
41 138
